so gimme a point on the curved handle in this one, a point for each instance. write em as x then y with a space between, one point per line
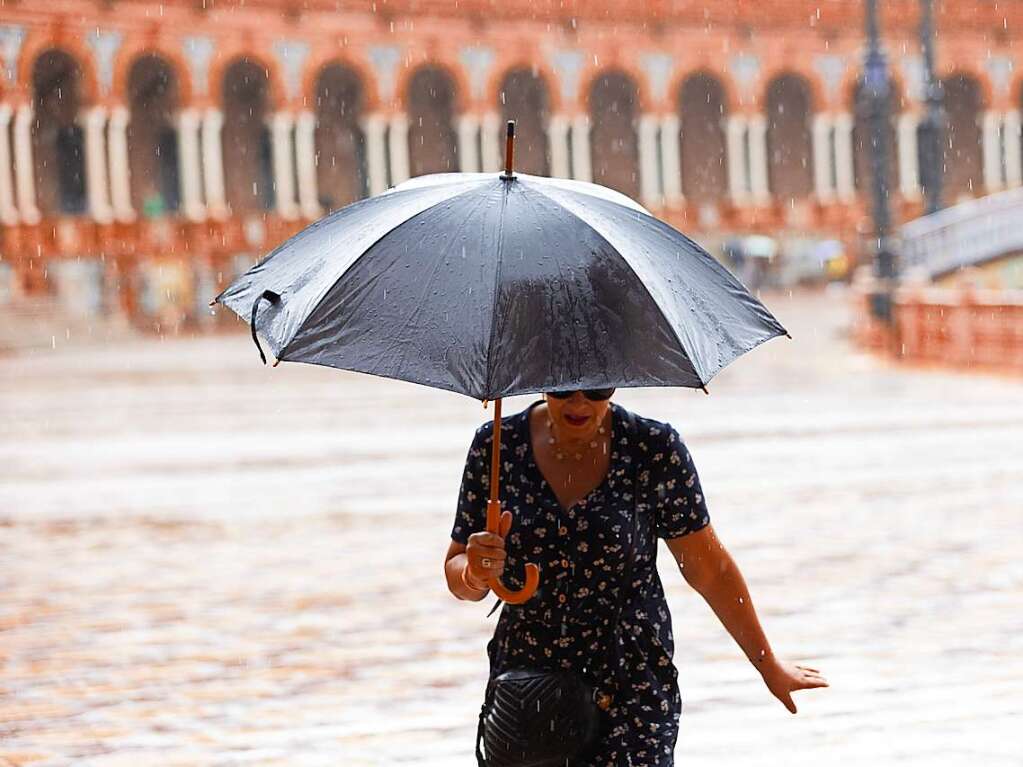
532 571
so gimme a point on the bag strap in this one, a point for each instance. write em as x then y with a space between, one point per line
480 761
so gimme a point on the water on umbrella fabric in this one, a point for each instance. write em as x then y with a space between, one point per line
493 287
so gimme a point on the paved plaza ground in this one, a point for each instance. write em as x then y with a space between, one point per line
208 562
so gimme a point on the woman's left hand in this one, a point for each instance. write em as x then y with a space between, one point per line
783 678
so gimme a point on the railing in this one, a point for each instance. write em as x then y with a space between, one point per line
964 235
960 328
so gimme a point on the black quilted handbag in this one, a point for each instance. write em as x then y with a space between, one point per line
541 718
536 718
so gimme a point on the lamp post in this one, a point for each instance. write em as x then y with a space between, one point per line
875 104
932 126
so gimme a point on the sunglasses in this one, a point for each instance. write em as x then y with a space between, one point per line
594 395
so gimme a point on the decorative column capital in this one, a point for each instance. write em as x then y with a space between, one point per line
568 64
105 44
199 52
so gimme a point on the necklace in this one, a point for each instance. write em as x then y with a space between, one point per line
559 451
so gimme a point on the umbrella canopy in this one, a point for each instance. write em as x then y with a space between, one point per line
494 285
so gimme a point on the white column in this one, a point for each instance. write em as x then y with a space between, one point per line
491 143
738 177
213 163
305 156
845 181
581 168
992 127
671 165
909 164
8 210
373 127
1013 171
189 164
468 146
281 128
823 183
398 145
649 172
95 119
24 169
758 182
120 178
557 138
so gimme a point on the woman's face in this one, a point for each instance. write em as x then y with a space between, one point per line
577 418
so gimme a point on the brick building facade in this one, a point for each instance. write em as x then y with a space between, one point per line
160 147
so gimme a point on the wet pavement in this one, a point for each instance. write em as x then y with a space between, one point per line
208 562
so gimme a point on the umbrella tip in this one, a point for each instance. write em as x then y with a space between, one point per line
702 386
509 151
788 336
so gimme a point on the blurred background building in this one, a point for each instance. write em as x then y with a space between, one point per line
151 150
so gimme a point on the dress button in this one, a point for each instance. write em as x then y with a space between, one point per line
562 530
562 598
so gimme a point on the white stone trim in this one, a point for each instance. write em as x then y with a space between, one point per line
582 169
24 169
557 138
8 208
120 173
468 127
94 122
213 163
189 164
738 176
305 158
397 146
671 164
374 127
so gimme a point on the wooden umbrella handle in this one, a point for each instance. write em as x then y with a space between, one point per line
494 521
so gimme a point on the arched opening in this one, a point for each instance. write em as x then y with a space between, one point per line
152 138
614 146
702 148
864 145
433 143
789 152
340 144
248 168
58 141
524 100
962 156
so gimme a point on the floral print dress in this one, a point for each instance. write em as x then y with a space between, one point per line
582 553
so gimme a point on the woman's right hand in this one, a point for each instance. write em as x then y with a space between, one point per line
487 546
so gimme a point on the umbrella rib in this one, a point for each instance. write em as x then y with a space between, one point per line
497 282
642 284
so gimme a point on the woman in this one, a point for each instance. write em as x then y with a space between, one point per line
576 468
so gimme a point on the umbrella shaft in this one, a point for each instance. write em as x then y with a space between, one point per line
495 453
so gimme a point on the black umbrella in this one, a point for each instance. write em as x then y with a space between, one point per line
499 284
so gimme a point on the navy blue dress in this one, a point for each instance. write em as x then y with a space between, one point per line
582 552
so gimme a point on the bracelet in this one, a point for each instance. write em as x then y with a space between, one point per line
468 585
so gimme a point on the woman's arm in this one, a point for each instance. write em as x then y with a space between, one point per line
710 570
454 565
469 568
